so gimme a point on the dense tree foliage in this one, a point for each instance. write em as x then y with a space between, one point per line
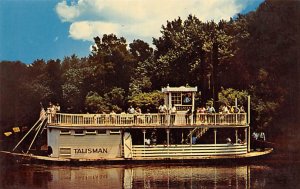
255 54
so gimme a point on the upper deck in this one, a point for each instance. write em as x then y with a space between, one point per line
148 120
181 98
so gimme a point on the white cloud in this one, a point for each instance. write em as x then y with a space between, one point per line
67 13
86 30
139 18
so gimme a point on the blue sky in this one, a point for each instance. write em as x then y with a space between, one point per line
53 29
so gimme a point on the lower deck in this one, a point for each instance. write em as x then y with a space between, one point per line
148 143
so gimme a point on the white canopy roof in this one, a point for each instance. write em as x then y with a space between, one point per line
179 89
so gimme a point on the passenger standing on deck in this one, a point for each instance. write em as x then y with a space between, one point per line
254 140
162 110
255 135
57 107
262 138
242 109
51 111
138 110
202 114
148 116
173 114
210 110
49 108
113 117
195 112
225 109
188 116
43 113
131 110
130 119
137 118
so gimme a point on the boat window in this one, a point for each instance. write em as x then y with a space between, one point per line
65 132
101 131
186 99
90 132
176 98
115 131
79 132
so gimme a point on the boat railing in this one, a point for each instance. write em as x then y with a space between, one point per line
149 119
156 151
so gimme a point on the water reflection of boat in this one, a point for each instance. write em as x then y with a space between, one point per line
163 136
151 176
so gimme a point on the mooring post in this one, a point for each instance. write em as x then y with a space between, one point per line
248 110
215 138
168 137
248 126
248 139
144 133
191 137
236 136
215 135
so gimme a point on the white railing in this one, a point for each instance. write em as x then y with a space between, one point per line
159 151
181 119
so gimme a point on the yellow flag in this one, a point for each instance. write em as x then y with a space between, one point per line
7 133
16 129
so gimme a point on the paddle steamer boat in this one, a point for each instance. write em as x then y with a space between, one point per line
148 136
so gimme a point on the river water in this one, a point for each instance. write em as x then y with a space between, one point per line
275 172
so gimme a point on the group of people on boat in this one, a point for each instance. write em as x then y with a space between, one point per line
131 110
239 141
52 109
200 114
258 140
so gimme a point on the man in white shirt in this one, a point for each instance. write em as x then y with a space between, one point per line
162 110
173 114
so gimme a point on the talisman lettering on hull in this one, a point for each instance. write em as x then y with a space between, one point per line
90 150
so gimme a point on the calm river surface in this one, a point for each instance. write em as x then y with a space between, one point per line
275 172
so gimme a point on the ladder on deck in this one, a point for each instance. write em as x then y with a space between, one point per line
199 132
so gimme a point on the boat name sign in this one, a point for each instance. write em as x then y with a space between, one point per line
90 150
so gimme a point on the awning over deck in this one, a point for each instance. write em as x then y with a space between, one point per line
179 89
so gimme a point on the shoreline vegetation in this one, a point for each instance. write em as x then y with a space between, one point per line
256 54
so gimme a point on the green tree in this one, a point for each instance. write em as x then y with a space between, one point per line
228 96
115 99
78 78
54 80
13 109
267 98
95 103
140 80
272 59
140 50
110 59
194 52
147 101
